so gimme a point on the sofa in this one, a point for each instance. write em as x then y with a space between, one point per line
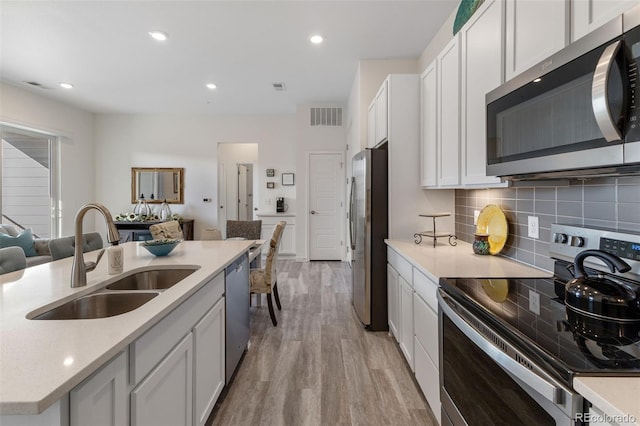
36 249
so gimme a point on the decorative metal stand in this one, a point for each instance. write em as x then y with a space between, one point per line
433 234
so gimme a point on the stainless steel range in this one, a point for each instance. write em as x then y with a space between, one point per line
510 348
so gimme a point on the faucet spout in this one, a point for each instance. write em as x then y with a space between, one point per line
79 268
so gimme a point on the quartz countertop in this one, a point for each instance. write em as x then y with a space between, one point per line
42 360
615 396
459 261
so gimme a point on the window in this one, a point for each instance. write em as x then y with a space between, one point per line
29 198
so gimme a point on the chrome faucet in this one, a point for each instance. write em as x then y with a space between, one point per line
79 269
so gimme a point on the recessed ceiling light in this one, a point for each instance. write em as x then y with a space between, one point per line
211 86
537 80
158 35
66 85
316 39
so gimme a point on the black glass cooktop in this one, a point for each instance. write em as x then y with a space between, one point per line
530 313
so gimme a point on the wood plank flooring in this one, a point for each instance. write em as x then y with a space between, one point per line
319 366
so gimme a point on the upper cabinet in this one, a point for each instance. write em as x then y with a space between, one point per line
534 31
448 141
587 15
481 71
429 126
378 117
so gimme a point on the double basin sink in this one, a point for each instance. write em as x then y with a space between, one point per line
122 296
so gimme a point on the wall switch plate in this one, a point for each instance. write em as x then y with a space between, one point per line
533 227
476 213
534 302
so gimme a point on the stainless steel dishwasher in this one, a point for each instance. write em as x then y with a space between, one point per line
236 313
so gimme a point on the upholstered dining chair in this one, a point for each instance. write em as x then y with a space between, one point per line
12 259
64 247
211 234
171 229
266 280
249 229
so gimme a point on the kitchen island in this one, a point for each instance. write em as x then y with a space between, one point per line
43 360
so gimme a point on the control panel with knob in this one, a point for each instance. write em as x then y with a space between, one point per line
577 241
560 238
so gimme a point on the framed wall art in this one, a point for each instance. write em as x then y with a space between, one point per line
287 179
271 185
271 172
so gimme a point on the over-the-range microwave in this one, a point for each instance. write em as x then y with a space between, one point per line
574 114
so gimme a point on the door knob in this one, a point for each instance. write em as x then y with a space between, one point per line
313 212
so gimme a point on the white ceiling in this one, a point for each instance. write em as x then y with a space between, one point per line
104 50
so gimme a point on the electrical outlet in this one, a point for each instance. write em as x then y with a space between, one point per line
476 213
534 302
533 227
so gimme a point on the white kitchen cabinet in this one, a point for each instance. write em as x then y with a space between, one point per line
392 300
428 379
534 31
482 71
288 242
102 398
165 396
371 125
382 112
429 126
208 362
587 15
406 320
448 145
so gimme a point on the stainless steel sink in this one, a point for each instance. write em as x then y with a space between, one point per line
157 279
99 305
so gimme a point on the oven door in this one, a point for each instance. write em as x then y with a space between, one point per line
568 113
489 382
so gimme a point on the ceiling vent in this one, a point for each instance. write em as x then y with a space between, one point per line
331 116
279 87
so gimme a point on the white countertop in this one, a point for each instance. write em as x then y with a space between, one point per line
459 261
618 397
42 360
274 214
615 396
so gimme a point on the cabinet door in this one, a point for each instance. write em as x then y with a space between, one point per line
428 379
449 114
587 15
382 113
406 320
482 60
102 398
428 126
371 125
392 300
208 361
527 41
425 323
165 396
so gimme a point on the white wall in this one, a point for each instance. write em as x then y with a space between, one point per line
311 139
76 169
438 42
125 141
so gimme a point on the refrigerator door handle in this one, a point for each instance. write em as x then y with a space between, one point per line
352 228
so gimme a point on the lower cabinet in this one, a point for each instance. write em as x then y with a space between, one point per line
101 399
288 241
413 321
406 320
209 362
392 300
165 396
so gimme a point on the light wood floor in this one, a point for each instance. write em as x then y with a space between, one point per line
319 366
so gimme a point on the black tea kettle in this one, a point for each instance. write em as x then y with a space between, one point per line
601 295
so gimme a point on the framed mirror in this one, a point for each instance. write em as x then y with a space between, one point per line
157 185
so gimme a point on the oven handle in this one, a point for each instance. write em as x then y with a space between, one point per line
600 94
545 388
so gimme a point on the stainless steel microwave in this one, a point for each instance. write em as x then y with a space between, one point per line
574 114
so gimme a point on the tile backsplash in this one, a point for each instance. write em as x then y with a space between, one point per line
606 202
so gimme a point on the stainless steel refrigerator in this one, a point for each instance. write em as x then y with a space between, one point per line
368 227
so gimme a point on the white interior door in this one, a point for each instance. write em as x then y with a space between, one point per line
325 206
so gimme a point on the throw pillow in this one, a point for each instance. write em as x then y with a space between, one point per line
23 240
